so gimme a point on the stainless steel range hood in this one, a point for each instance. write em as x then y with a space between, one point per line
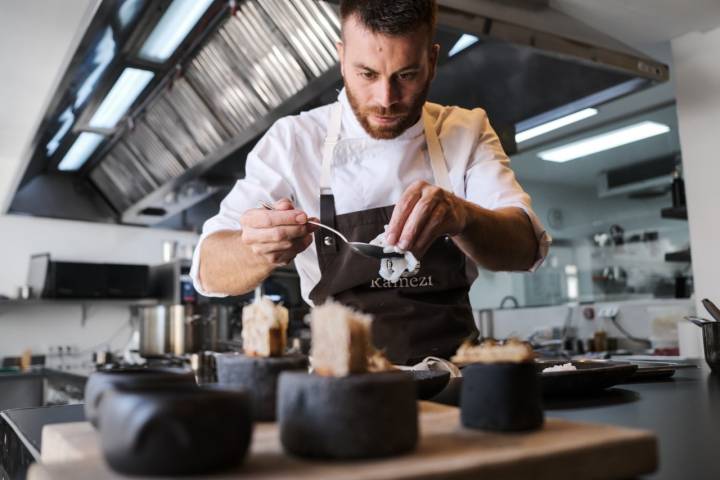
188 140
532 63
265 61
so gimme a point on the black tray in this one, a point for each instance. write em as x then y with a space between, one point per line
591 376
653 371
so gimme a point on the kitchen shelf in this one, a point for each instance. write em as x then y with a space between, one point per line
681 256
83 303
677 213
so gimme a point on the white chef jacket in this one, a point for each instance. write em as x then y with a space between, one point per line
286 162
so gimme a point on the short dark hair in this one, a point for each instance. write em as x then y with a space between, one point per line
392 17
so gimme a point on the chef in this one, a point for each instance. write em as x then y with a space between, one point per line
380 160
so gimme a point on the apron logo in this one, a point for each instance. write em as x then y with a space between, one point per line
404 282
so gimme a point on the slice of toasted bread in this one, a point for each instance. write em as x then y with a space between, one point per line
264 332
341 340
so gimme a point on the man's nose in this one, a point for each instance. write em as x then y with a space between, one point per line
387 93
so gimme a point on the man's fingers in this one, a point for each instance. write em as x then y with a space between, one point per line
265 248
261 218
416 222
274 234
402 211
282 253
431 231
283 204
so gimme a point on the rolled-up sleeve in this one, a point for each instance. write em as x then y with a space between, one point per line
490 183
263 181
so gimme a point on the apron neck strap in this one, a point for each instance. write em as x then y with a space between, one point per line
331 139
434 149
437 157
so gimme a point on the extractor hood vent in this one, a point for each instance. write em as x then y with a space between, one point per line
261 57
648 177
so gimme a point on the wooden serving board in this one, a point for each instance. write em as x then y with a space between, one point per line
562 449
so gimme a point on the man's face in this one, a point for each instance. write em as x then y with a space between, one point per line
386 77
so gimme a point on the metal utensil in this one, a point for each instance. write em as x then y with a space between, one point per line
366 249
712 309
699 321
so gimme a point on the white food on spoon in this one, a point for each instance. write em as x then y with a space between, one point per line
392 268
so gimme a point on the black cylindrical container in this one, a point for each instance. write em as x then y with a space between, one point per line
678 191
711 344
100 382
258 376
359 416
174 430
503 397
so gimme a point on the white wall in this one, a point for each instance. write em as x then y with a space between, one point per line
37 327
697 83
583 214
654 319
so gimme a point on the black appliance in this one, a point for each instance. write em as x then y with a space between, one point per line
61 279
171 284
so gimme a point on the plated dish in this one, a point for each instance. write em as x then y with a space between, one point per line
589 376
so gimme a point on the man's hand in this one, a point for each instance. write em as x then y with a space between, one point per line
277 235
423 213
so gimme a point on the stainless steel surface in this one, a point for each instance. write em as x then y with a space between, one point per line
699 321
184 333
485 323
154 327
372 251
549 63
245 76
133 213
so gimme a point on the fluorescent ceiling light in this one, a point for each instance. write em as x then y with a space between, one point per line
177 21
464 42
605 141
554 125
102 56
84 146
128 11
67 119
122 95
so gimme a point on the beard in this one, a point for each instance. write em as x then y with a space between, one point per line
408 114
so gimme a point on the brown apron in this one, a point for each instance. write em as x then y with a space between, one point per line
418 316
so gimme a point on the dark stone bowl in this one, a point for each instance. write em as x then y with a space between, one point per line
359 416
100 382
258 376
174 429
503 397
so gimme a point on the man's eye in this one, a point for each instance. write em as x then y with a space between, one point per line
407 75
367 75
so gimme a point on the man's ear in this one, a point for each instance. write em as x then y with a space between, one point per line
434 54
341 51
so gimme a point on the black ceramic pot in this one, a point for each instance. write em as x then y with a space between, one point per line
174 429
502 397
358 416
711 344
258 376
99 383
